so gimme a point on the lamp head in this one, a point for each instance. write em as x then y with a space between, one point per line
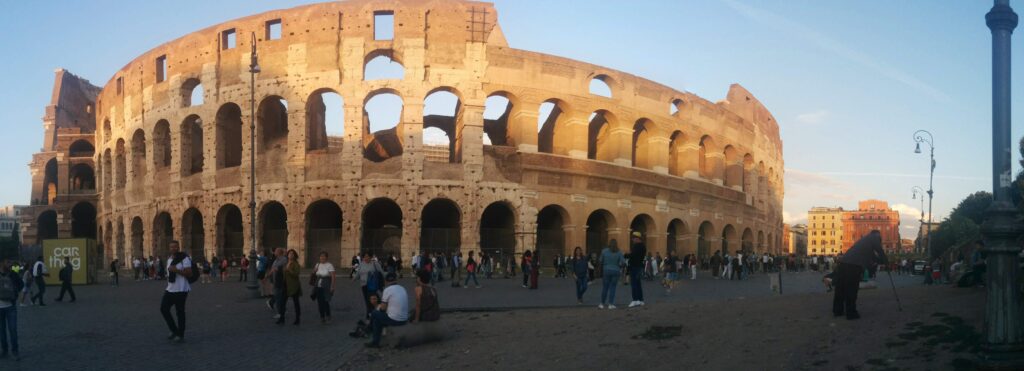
918 148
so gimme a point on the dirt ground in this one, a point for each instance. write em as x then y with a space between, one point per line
938 329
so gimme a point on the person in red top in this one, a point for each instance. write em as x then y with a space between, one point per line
243 272
223 270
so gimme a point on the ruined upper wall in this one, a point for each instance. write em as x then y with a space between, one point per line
72 102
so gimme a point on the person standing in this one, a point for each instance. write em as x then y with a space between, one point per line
10 285
276 275
38 274
137 267
323 287
293 289
114 281
427 307
716 263
367 276
864 253
223 269
65 281
179 268
243 273
26 292
534 270
635 264
471 268
611 260
669 266
393 309
527 258
456 269
693 267
580 265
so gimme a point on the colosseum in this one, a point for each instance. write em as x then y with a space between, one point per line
526 151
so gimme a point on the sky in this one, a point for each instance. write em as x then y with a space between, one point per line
848 82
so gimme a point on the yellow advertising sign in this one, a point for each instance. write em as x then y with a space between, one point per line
77 253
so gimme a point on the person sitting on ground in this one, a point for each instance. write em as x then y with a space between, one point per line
427 307
393 309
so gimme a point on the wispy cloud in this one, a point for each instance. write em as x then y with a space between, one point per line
897 175
836 47
812 118
791 219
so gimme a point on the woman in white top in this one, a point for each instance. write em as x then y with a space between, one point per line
323 287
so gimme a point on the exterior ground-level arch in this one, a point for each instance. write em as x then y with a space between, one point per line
498 231
323 231
193 235
674 237
601 230
230 233
381 231
551 223
705 236
440 227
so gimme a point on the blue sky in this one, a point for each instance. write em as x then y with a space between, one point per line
849 82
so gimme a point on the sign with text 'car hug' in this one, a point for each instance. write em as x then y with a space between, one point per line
77 253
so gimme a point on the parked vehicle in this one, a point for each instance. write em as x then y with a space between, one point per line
919 266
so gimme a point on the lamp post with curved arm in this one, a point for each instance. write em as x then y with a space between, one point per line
930 140
254 68
915 192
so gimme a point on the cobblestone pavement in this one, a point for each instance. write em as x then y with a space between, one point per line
121 328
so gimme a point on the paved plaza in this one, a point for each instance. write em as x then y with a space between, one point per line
121 328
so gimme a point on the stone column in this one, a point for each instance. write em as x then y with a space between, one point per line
621 145
574 135
411 132
658 153
522 126
716 162
689 160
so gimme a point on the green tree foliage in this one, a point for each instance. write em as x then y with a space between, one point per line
963 224
973 207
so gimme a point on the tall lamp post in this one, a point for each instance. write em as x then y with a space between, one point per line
915 192
919 137
254 68
1003 347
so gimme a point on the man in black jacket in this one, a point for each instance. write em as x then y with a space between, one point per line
65 280
866 253
635 263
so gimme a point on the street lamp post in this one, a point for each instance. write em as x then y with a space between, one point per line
254 68
915 192
1003 347
919 137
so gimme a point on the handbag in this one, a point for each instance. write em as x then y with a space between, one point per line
312 276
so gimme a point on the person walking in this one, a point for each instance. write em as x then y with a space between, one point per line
137 267
114 281
179 268
215 264
38 273
611 260
26 291
293 289
525 265
635 264
65 281
716 264
580 267
261 274
534 271
670 267
456 269
10 285
368 276
323 287
393 309
471 268
866 252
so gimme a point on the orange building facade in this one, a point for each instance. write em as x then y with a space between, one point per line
871 215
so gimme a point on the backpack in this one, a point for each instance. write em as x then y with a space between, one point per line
471 267
8 288
195 268
373 280
65 274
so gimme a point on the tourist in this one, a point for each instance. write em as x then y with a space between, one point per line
456 273
525 265
440 261
637 251
179 269
261 275
206 271
65 281
355 266
534 270
113 272
293 289
215 263
427 307
670 267
368 274
611 261
580 268
693 267
591 271
323 286
471 268
26 292
276 275
864 253
243 270
393 309
137 267
223 270
716 264
38 274
486 264
10 285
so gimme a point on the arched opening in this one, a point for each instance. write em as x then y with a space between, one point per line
380 66
760 240
46 229
83 180
704 235
733 167
49 182
191 146
108 242
498 231
192 93
748 169
551 222
644 225
323 231
273 224
83 221
441 114
641 143
747 244
272 125
325 120
229 136
498 119
193 235
163 234
382 112
676 230
81 148
162 145
600 145
704 165
599 224
107 134
674 106
230 235
382 228
119 245
121 170
107 174
135 236
675 149
138 155
728 239
440 227
599 86
551 125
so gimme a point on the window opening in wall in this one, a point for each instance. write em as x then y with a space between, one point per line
325 121
384 111
673 107
120 86
197 96
599 87
543 114
496 116
161 68
382 67
274 29
384 25
228 39
381 116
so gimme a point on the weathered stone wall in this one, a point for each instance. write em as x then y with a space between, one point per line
707 171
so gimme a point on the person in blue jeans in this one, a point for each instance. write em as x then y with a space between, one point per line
635 264
611 260
580 267
10 286
471 267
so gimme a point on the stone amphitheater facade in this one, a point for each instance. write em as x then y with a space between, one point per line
562 167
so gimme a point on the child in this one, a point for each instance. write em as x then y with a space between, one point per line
827 280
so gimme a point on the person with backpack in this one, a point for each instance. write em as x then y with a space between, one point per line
65 281
471 268
427 307
370 276
179 279
10 285
635 263
38 272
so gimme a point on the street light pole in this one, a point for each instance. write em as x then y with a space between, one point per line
1003 347
254 68
919 137
915 192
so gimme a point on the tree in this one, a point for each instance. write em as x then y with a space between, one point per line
953 232
973 207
